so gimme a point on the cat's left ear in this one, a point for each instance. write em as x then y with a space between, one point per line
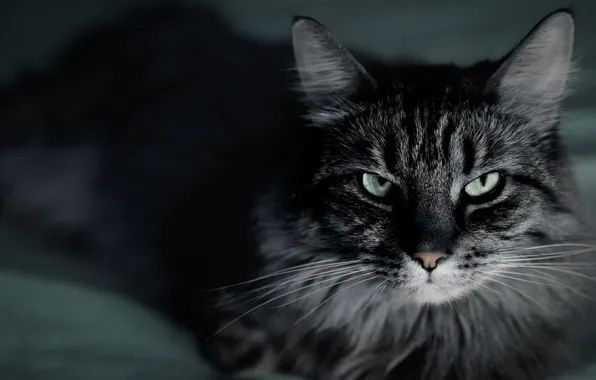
533 79
327 70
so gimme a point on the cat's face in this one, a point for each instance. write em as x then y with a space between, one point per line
432 197
432 192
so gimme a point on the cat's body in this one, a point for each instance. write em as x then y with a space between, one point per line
186 168
111 132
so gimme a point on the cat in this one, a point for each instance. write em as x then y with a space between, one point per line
434 231
377 221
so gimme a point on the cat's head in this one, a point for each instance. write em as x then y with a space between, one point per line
435 182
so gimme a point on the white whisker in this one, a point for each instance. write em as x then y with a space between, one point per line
258 307
500 274
558 245
333 296
520 273
552 268
545 256
516 290
308 276
375 293
573 264
402 303
301 277
480 284
297 268
576 291
321 289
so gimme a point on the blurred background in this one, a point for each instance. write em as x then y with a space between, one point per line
50 328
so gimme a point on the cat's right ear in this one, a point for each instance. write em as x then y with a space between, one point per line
327 70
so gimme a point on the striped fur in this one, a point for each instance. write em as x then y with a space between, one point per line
366 310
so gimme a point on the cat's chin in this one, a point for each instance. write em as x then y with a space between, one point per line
434 294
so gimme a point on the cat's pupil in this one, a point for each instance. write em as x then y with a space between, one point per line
483 180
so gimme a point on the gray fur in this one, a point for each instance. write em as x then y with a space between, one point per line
495 309
325 76
533 80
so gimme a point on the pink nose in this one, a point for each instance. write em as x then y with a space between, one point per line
429 260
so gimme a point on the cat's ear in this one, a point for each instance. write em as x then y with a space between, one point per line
327 70
532 80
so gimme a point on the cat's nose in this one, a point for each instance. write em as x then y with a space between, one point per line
429 260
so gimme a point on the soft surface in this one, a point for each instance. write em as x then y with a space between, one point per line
55 325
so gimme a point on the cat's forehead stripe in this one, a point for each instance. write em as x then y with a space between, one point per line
432 136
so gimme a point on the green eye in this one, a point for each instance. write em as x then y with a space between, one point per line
483 185
376 185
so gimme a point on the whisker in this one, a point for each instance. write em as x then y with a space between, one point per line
516 290
545 256
499 273
347 272
520 273
546 265
552 268
383 290
479 283
374 293
493 301
253 309
545 246
564 264
276 285
296 268
402 303
320 290
333 296
576 291
550 252
312 274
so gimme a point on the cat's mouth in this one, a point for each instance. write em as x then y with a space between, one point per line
437 286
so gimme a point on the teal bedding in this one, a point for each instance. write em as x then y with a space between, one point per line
59 321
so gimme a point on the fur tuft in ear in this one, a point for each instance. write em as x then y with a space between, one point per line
326 68
533 79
